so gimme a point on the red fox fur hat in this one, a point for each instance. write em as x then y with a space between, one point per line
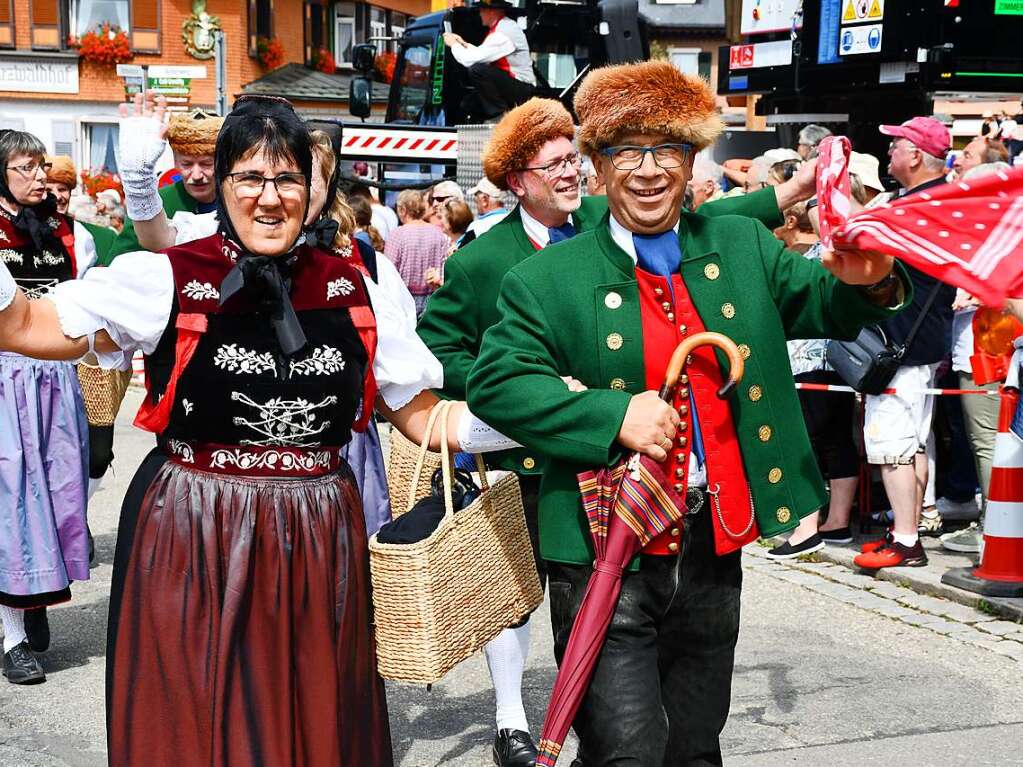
62 171
649 97
521 133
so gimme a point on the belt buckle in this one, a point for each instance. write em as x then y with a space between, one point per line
695 499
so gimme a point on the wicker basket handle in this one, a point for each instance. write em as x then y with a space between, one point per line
423 449
445 459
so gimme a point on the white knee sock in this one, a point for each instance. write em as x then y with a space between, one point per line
506 657
14 627
94 486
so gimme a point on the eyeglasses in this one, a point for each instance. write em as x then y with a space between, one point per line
556 168
30 169
248 184
666 156
439 200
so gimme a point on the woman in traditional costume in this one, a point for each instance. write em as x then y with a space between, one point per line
43 431
240 614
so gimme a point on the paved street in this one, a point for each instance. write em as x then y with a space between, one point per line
833 668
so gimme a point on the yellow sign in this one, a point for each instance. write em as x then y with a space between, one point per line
875 10
857 11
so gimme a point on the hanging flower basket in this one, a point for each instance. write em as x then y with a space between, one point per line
106 45
384 65
323 61
100 180
270 52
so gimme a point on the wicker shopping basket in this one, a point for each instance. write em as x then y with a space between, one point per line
103 391
401 468
439 600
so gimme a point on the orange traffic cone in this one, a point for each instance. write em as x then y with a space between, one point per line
1001 565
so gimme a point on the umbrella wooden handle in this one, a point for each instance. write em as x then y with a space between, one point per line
736 364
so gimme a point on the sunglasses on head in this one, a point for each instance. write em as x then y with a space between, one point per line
436 200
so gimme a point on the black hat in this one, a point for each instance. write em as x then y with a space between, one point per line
500 5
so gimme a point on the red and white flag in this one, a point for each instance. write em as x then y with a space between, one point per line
966 233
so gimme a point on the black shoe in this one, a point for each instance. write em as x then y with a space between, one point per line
839 535
37 628
22 667
514 748
788 551
92 548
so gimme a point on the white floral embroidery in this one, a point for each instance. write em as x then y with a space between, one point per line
9 256
4 237
283 422
198 291
238 359
344 252
278 460
324 360
54 223
181 449
36 287
47 259
339 287
188 406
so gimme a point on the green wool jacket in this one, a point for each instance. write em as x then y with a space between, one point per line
459 313
104 238
555 322
174 198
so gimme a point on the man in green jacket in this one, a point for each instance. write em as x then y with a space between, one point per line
531 154
192 138
607 308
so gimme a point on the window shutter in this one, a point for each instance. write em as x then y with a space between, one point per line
45 24
145 25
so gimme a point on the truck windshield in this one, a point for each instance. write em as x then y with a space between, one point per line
413 83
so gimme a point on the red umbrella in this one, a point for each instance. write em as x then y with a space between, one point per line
627 505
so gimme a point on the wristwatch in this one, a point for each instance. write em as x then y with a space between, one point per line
883 284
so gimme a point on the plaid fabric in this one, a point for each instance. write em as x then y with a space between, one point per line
414 248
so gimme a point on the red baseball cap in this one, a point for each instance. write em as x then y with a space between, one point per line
926 133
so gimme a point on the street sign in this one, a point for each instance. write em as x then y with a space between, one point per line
861 39
187 73
1008 7
130 70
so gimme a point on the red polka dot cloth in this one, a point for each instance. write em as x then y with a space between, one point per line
965 233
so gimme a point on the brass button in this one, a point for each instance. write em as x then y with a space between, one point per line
682 441
679 472
666 306
671 316
615 341
728 311
682 329
683 410
679 487
673 547
618 384
679 457
612 300
658 291
689 360
744 351
784 514
711 271
683 392
683 379
755 393
774 476
528 463
682 425
764 432
675 532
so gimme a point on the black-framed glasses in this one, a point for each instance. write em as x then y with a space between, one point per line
439 200
249 184
29 169
557 167
666 156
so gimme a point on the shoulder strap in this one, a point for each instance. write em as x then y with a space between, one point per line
369 258
920 318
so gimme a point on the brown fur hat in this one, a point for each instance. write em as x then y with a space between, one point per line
62 171
521 133
648 97
194 134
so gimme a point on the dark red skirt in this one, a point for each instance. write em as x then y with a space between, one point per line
241 633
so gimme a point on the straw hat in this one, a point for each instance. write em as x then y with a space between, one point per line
194 134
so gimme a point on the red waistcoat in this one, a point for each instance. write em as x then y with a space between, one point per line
666 322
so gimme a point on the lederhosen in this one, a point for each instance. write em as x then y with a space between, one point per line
241 631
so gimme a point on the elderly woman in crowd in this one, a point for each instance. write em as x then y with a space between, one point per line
240 619
416 247
43 431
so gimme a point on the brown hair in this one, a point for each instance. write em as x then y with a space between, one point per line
340 211
994 151
363 212
413 203
458 216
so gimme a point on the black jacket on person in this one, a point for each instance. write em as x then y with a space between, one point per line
933 340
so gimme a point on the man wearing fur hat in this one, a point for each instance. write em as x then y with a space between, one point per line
92 242
607 308
192 138
531 153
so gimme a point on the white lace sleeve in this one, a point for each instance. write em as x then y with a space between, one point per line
475 436
190 226
403 365
131 299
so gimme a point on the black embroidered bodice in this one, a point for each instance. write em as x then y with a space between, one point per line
36 271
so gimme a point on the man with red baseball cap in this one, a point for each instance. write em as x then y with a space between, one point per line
896 427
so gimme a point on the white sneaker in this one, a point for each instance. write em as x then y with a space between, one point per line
966 541
930 524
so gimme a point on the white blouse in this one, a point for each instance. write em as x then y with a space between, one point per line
132 300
